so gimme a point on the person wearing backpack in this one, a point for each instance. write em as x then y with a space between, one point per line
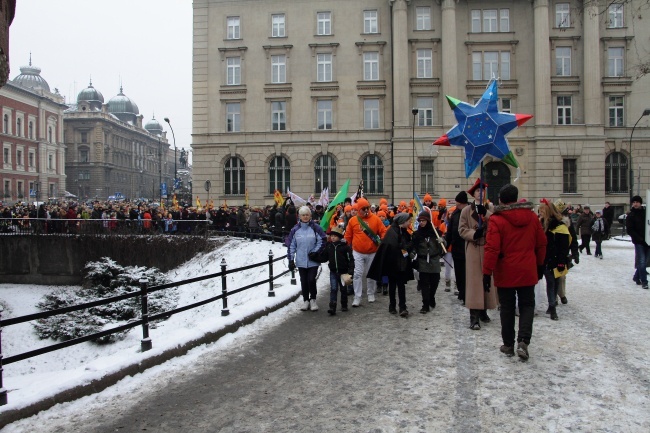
598 233
304 244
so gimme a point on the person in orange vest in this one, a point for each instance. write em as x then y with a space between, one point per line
364 233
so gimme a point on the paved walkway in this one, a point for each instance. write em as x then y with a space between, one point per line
368 371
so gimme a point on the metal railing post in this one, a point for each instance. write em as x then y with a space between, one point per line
3 391
271 292
145 343
224 290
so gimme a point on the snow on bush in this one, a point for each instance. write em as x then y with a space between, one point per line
104 279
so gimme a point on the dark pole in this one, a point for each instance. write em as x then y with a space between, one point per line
646 112
174 137
160 169
415 113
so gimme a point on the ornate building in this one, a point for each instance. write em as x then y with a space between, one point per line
109 152
32 139
307 94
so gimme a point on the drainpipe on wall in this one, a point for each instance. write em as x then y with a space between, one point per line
392 115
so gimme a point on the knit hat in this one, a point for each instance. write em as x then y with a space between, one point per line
476 186
598 212
381 213
362 202
401 218
348 208
383 201
427 197
442 202
424 215
637 198
560 205
336 231
508 193
461 197
355 206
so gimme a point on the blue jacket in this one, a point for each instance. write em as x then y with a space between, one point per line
305 238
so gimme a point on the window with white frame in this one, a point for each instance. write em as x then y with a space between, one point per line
564 110
7 191
5 124
504 20
233 71
50 135
423 18
19 127
324 114
425 63
279 69
325 173
6 158
569 175
616 111
562 15
233 117
30 129
372 174
234 176
476 20
370 21
52 188
19 157
563 61
424 105
615 15
278 115
490 23
427 179
371 113
490 20
615 61
233 25
278 26
490 64
20 189
616 172
371 65
505 105
50 162
324 67
84 154
324 23
31 159
279 174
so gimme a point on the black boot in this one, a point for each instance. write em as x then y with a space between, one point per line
385 289
332 309
483 316
474 322
553 314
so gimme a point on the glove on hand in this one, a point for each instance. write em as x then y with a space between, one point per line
313 256
540 272
481 210
292 265
478 234
487 282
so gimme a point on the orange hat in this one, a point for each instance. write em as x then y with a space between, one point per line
402 203
381 213
476 186
427 197
383 201
362 202
383 207
348 208
442 202
355 206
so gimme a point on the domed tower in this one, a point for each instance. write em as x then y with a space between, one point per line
90 99
30 77
124 108
154 127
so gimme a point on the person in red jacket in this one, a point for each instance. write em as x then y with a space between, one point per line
515 250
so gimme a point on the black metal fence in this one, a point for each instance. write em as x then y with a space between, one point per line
146 342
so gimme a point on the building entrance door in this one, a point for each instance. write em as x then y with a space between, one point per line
497 174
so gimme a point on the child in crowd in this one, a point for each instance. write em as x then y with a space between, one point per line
598 230
341 264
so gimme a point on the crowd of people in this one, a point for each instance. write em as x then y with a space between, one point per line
497 252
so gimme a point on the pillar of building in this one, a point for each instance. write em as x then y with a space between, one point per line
591 69
400 49
543 104
449 66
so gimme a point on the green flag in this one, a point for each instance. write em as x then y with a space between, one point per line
340 198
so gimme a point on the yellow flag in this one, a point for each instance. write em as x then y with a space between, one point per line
198 202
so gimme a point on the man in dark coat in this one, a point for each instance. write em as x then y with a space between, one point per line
635 225
457 244
583 225
515 250
608 216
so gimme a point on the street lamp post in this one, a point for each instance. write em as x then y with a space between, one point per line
646 112
415 113
174 137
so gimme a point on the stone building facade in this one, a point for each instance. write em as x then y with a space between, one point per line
32 167
110 153
306 94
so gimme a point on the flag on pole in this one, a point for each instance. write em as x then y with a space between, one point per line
417 208
338 199
174 202
277 196
357 195
296 199
198 202
324 197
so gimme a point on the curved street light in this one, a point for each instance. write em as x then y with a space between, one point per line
646 112
415 112
174 137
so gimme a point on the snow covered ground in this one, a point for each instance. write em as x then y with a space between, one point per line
588 372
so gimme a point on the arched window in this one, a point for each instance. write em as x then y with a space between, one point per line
5 124
19 127
49 134
234 177
372 173
616 173
279 174
30 127
325 173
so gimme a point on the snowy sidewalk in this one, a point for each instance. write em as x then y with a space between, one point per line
366 370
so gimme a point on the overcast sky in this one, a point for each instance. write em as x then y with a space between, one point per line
144 44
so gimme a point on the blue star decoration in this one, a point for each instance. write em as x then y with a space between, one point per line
482 129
